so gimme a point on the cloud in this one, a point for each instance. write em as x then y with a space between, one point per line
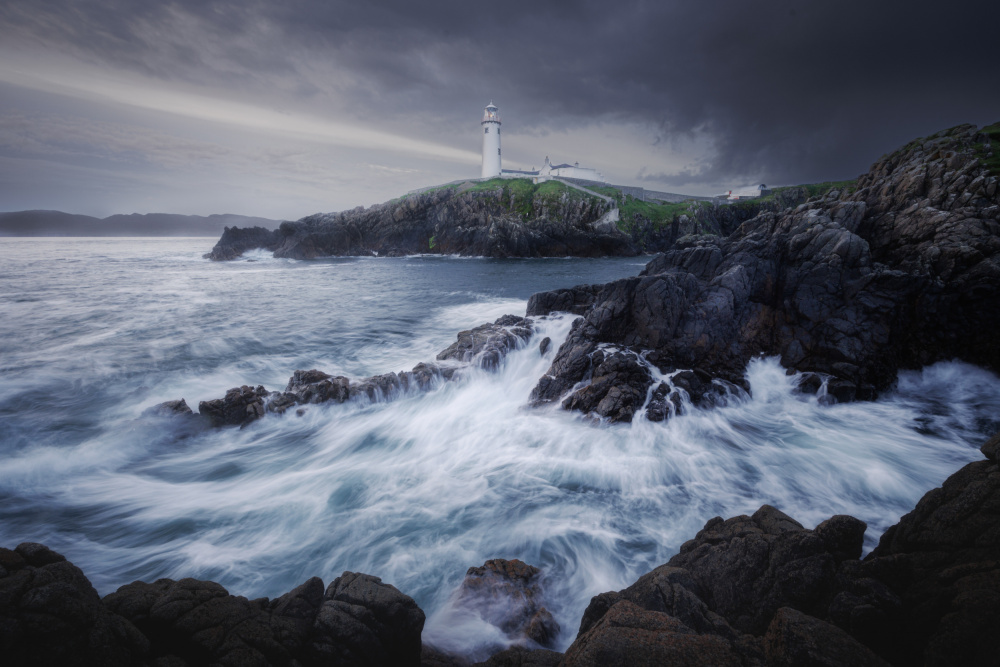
698 96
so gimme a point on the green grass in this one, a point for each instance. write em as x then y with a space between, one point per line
812 189
992 163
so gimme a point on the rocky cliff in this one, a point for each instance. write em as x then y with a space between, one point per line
851 287
492 219
758 590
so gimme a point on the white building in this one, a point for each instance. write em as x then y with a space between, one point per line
491 141
492 164
745 193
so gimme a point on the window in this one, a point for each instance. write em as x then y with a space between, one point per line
498 151
487 131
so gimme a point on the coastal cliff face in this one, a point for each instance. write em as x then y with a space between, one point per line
488 220
758 590
851 287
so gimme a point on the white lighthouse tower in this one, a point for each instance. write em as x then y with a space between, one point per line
491 141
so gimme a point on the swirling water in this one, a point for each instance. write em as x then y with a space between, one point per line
416 490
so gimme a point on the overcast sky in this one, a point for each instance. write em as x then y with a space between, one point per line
285 108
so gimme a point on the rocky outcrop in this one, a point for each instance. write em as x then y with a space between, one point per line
500 221
51 615
235 241
899 273
482 347
764 590
508 594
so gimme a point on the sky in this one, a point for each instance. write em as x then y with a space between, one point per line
284 108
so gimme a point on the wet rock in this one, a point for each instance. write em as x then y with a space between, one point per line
543 346
239 407
314 386
519 656
432 657
576 300
236 241
664 403
378 387
751 566
51 615
488 344
630 635
943 560
508 594
365 622
169 408
617 389
797 640
900 273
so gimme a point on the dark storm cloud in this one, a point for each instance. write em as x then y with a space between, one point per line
784 91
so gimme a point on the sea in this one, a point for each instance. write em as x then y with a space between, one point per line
93 332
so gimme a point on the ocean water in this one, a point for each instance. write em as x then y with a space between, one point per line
417 490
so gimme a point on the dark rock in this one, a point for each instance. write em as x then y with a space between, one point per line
843 535
365 622
236 241
240 406
519 656
508 594
663 404
810 383
315 386
543 346
432 657
749 567
51 615
630 635
576 300
169 408
488 344
943 560
796 640
900 273
446 221
617 388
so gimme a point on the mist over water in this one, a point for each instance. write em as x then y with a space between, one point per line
418 489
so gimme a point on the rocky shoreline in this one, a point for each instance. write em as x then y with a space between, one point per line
480 221
757 590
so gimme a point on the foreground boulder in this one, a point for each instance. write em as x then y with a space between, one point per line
758 590
898 273
764 590
509 595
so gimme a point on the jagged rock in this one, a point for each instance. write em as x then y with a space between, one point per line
236 241
508 594
574 300
169 408
797 640
365 622
240 406
630 635
446 221
616 390
900 273
943 560
543 346
51 615
519 656
488 344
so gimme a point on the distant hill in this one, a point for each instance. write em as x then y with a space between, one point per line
57 223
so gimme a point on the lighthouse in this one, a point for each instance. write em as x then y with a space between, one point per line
491 141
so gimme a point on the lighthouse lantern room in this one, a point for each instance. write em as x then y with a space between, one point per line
491 141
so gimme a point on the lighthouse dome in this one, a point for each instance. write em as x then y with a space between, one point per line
491 114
